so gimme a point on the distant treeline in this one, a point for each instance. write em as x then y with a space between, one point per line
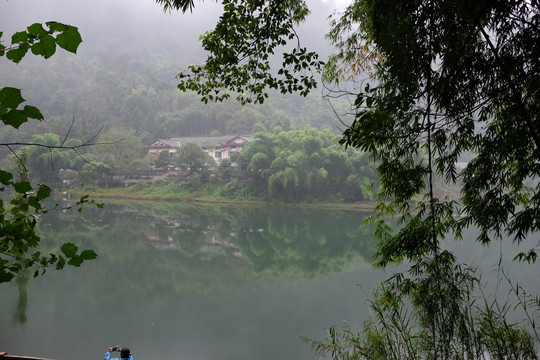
137 91
292 166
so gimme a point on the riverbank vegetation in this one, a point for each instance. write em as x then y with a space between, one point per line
298 166
429 81
437 80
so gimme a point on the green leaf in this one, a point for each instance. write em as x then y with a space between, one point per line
22 187
61 263
56 26
43 192
20 37
36 30
69 249
5 177
10 97
88 255
5 276
14 118
17 54
69 39
46 47
32 112
75 261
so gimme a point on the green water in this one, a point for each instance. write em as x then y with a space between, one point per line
192 282
196 282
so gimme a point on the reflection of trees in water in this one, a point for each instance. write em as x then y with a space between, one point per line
19 313
190 250
311 243
277 240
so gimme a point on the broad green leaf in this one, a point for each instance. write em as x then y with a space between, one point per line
32 112
46 47
14 118
43 192
17 53
56 26
10 97
5 177
36 30
88 255
69 249
69 39
75 261
5 276
22 187
20 37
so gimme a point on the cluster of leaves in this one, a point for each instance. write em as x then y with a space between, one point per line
460 78
470 329
309 163
18 234
40 41
18 218
440 80
241 46
191 156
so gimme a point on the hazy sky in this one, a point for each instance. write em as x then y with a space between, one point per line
140 23
122 29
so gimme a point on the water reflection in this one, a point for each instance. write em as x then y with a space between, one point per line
194 282
306 242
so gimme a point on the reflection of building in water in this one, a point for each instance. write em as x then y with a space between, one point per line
214 246
156 243
178 225
220 247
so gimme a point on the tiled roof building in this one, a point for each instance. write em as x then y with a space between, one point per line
219 147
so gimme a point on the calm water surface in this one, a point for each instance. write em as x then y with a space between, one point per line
191 282
197 282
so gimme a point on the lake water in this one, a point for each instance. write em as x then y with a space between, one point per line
199 282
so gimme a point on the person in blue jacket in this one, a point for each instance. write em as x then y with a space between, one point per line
125 353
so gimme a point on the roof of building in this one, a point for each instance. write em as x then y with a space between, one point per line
202 141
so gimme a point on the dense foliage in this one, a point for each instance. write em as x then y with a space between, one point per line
431 81
285 166
18 217
440 79
459 78
141 95
307 164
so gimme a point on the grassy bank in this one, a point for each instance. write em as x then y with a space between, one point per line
173 191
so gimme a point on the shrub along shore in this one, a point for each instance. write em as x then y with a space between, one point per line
210 194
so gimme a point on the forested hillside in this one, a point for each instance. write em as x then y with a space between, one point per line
124 75
138 91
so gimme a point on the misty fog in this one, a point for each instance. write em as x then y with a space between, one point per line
143 26
128 46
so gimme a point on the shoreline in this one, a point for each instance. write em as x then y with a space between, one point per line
138 197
